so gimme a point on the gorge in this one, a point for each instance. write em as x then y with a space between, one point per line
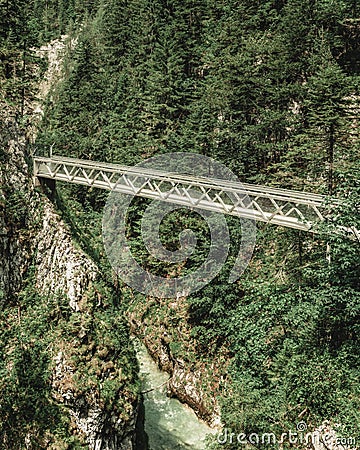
271 90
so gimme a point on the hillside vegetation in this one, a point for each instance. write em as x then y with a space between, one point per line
269 88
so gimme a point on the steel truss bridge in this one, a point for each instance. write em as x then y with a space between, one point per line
288 208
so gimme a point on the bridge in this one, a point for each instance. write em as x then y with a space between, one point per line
288 208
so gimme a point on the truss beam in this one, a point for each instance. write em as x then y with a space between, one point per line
292 209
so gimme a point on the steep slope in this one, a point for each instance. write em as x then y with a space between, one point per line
264 87
68 370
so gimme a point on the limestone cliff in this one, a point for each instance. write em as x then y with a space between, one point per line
63 316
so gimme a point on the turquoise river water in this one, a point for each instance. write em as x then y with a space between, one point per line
169 424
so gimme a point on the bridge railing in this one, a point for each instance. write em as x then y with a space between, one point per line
293 209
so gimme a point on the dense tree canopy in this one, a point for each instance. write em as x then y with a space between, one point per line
270 88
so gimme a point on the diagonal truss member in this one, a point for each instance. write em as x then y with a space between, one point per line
293 209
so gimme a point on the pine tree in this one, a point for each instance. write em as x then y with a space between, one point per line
326 109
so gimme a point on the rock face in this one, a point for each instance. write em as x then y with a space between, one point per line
34 239
326 438
15 197
186 385
103 431
60 266
190 384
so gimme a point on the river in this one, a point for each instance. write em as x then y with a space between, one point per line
169 424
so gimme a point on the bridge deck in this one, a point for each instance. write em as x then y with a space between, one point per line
293 209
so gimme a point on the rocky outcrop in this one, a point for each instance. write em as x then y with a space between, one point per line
187 386
60 267
16 207
326 438
193 384
103 430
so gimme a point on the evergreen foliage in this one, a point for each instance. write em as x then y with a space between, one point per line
269 88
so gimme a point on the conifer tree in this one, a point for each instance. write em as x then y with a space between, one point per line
326 110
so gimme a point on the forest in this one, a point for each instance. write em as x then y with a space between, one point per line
270 88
